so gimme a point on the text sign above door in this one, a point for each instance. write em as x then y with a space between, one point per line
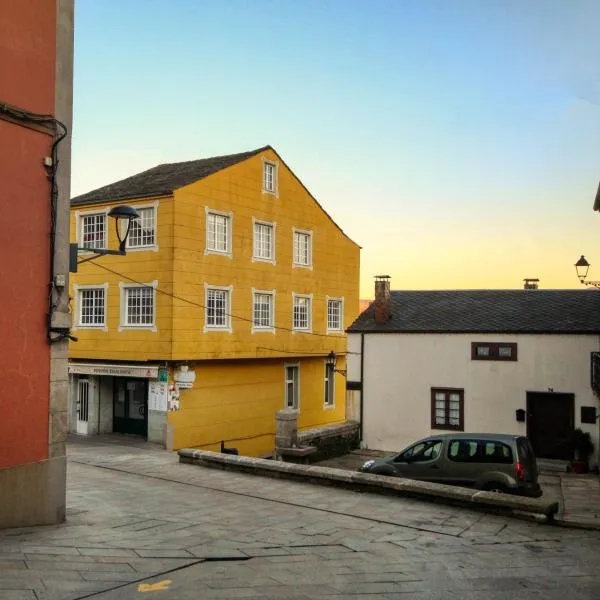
114 370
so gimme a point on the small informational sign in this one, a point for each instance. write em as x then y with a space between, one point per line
163 375
158 395
184 377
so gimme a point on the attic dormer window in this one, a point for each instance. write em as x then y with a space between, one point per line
269 177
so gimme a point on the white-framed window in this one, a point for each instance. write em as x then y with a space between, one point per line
302 248
263 310
292 386
142 233
329 385
335 314
218 232
302 312
264 241
138 305
91 301
269 177
217 311
92 230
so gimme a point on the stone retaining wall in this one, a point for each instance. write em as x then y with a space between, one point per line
331 440
488 501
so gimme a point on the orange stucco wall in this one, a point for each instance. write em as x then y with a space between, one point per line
27 63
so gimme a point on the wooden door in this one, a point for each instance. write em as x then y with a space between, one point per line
550 424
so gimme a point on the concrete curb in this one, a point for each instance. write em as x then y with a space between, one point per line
535 508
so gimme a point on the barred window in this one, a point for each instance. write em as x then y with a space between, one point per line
263 241
217 308
217 232
143 230
93 230
302 249
91 307
334 315
263 310
301 312
139 306
292 378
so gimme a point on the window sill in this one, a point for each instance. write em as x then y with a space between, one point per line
153 248
448 428
335 332
91 327
263 260
207 251
271 192
263 330
138 328
214 329
296 265
297 330
328 406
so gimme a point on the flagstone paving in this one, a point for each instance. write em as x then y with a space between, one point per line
139 523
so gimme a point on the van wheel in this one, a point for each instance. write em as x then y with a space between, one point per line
498 488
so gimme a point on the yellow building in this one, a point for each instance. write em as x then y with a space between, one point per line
235 287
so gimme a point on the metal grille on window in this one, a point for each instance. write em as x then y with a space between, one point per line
454 409
140 306
93 231
91 306
301 312
263 241
302 248
269 176
262 310
142 232
217 232
334 314
216 308
440 408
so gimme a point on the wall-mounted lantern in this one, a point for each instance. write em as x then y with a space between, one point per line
121 213
331 361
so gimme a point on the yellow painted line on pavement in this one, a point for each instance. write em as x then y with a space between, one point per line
159 586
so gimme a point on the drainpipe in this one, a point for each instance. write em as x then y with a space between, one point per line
362 384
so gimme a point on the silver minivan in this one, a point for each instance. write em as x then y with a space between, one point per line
485 461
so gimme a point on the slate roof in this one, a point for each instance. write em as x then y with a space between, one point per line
162 179
487 311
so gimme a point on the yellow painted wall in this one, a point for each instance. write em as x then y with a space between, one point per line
233 400
335 270
141 265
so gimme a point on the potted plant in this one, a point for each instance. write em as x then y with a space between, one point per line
582 448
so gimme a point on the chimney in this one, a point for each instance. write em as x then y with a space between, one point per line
530 284
382 299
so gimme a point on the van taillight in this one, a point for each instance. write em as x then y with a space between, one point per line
520 473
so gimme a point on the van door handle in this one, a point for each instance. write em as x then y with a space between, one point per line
434 467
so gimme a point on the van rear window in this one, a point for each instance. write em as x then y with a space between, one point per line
480 451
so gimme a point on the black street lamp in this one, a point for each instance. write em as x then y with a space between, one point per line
582 266
331 361
118 213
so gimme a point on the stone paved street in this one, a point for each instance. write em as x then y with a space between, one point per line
141 523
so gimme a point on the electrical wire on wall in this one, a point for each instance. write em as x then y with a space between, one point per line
59 131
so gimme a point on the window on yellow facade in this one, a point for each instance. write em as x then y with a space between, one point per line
217 308
301 319
92 306
264 241
218 232
139 306
302 248
292 386
269 177
329 385
335 314
263 310
93 230
143 230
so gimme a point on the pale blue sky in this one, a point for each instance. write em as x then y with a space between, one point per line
458 141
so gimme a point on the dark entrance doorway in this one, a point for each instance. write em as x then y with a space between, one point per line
130 406
550 424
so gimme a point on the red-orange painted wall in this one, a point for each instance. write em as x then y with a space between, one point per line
27 76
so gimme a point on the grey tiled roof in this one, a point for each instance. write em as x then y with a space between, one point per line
163 179
488 311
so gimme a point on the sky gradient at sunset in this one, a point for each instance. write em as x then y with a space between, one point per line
457 141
